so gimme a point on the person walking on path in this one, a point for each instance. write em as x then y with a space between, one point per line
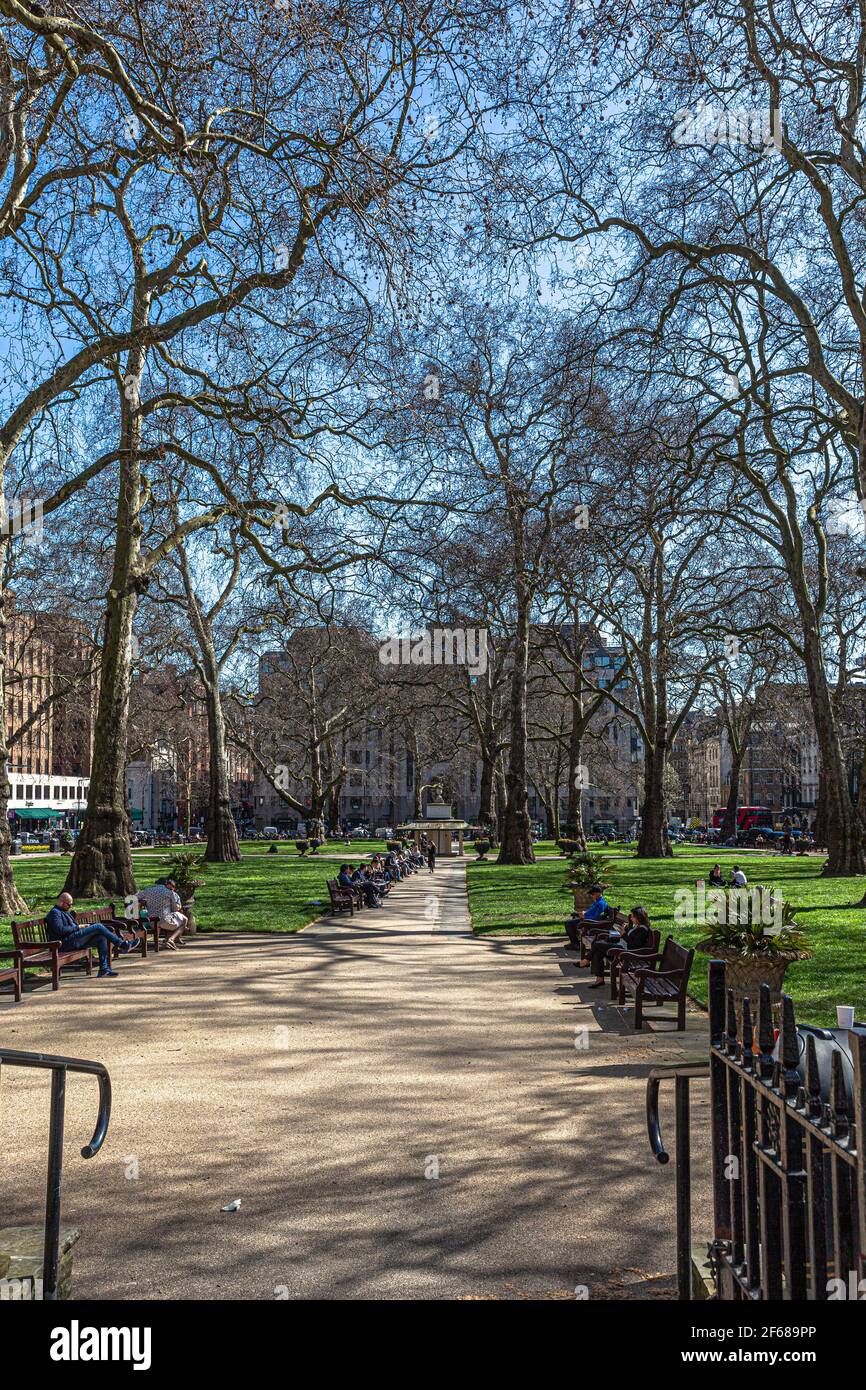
431 857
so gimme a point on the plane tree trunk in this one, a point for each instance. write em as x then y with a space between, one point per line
101 866
515 845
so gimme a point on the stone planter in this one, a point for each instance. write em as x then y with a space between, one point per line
745 975
188 909
21 1250
582 897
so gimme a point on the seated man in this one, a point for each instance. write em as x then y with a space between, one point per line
62 926
164 907
598 909
346 879
367 887
377 876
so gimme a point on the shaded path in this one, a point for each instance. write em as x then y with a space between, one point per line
324 1079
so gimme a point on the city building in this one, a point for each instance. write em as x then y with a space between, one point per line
49 690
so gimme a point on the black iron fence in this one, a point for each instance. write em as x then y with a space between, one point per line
789 1181
59 1066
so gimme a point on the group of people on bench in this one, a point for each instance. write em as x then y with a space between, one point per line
635 936
163 907
374 880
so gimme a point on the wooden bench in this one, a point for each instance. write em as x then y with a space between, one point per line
342 898
616 956
614 920
659 979
574 925
36 949
12 972
107 917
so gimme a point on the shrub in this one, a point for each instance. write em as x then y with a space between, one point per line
585 869
481 848
736 926
302 846
180 868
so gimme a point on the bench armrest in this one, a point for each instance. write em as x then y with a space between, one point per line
30 946
644 960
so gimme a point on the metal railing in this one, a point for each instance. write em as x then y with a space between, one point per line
681 1076
59 1066
789 1181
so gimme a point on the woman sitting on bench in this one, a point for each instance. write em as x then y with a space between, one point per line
635 937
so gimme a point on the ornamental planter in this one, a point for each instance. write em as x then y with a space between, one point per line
582 897
186 893
745 975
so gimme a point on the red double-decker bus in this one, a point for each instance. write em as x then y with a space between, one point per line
747 816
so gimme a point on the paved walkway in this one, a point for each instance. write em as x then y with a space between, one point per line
401 1109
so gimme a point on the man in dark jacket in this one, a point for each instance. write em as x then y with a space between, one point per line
62 927
431 857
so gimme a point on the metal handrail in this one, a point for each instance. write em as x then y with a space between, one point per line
59 1066
681 1074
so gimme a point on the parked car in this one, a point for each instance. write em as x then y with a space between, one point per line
768 835
384 832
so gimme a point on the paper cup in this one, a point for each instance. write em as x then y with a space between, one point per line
844 1016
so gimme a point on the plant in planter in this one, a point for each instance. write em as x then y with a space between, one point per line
567 847
181 866
584 871
302 846
757 936
481 848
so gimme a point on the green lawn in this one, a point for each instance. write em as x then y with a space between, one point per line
531 900
264 892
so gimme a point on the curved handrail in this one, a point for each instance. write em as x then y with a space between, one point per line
654 1080
652 1119
46 1061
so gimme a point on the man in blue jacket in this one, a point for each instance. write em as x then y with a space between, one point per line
62 927
595 913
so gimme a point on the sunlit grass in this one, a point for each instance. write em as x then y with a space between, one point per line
532 900
265 892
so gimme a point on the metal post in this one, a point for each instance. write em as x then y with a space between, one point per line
51 1253
684 1192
